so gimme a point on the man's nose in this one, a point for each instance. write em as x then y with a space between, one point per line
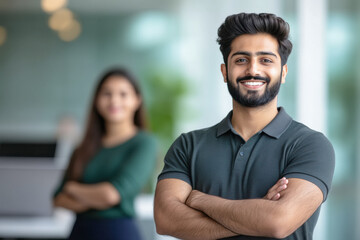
253 69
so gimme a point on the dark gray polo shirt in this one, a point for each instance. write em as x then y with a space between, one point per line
218 161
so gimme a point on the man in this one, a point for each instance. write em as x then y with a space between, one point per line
223 181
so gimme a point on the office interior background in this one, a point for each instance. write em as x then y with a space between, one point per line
47 75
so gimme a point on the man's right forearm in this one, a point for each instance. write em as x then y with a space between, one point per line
173 217
178 220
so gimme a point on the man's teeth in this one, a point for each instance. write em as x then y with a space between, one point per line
254 83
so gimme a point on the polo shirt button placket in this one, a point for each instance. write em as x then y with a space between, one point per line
241 151
239 163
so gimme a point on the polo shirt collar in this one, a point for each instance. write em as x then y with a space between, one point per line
224 125
279 124
274 129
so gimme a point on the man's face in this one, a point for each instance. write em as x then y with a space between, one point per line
254 73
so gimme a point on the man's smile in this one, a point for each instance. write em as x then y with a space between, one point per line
252 84
253 79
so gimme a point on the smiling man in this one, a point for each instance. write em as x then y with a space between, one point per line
257 174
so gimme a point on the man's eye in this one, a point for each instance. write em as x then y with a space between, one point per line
241 60
266 60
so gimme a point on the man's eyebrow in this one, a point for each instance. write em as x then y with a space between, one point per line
256 54
266 53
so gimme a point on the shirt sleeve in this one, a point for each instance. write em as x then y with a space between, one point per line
137 169
176 162
313 159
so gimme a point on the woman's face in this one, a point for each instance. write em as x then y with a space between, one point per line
117 101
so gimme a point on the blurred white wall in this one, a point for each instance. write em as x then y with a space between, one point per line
312 82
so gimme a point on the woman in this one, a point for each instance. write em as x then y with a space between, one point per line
111 164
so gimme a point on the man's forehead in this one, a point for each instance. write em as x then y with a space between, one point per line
252 54
255 44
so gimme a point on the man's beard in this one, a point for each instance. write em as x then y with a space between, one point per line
252 97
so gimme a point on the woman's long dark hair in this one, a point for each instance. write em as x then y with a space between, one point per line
95 129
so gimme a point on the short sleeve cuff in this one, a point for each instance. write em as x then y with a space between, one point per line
177 175
320 184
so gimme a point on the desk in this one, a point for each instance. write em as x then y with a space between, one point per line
60 224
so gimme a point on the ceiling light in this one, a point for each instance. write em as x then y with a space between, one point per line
71 32
61 19
52 5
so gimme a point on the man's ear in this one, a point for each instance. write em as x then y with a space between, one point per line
224 72
284 73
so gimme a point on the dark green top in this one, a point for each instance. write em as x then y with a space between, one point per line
128 167
218 161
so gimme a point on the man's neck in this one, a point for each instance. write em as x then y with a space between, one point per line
248 121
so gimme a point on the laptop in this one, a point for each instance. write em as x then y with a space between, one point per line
28 177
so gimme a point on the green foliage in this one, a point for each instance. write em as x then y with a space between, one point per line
166 91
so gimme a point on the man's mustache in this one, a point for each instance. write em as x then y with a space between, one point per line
239 79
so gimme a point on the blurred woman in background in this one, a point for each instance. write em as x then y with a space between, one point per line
112 163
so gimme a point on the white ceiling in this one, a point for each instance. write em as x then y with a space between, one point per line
91 6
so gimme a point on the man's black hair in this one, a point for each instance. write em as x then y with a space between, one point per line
252 23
